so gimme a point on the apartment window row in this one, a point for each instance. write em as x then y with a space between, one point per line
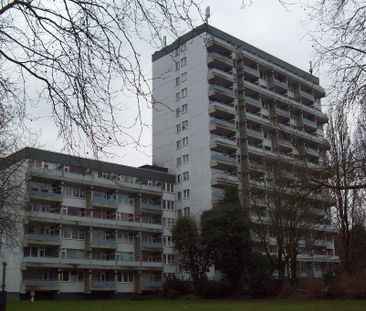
183 160
186 211
168 222
125 277
182 143
182 127
181 78
181 110
182 177
168 205
182 94
74 192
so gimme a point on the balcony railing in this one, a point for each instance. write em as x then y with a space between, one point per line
283 113
254 133
214 72
253 101
152 245
228 125
222 90
251 70
42 284
103 284
281 84
307 95
152 207
221 157
104 202
310 123
46 195
222 107
41 237
103 243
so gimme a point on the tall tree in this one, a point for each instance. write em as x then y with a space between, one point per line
83 58
345 166
194 255
226 230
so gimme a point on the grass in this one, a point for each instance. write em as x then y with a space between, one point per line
188 305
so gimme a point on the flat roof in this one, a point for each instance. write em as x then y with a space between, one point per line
244 45
67 159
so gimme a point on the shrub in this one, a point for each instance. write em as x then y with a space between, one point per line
215 289
174 287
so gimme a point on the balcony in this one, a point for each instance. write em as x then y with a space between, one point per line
283 113
222 144
103 286
219 126
282 84
218 45
255 134
285 143
151 207
309 123
223 180
220 77
151 285
222 161
104 202
217 109
45 195
100 243
312 152
256 167
286 100
307 95
250 70
44 239
152 245
41 285
253 101
221 93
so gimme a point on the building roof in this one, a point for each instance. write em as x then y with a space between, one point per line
66 159
244 45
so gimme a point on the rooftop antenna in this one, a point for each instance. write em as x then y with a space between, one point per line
311 67
164 41
207 14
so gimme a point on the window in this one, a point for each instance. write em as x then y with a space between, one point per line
168 205
125 277
179 196
169 187
77 276
184 108
177 112
177 52
185 142
185 176
179 161
168 241
185 158
65 276
183 46
179 178
177 97
186 194
178 128
184 92
177 66
179 144
168 222
183 77
186 211
177 81
183 61
184 125
168 259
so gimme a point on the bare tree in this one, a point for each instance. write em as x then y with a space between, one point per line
286 215
347 170
84 59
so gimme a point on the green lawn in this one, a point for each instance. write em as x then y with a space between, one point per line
192 305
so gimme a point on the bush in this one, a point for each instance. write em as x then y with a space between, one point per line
215 289
260 273
173 287
314 288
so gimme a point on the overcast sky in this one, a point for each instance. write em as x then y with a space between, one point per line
265 24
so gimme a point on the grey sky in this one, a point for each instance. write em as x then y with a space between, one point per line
265 24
